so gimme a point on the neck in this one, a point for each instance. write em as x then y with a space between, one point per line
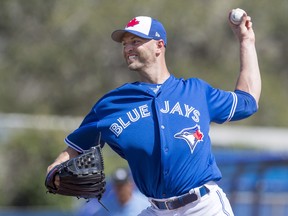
154 75
154 79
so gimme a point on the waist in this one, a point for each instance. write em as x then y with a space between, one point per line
179 201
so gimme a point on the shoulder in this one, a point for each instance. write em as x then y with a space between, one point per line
119 95
195 83
196 80
125 89
121 90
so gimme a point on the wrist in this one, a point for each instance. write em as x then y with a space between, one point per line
247 42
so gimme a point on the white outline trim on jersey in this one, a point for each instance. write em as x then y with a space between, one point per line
233 108
72 145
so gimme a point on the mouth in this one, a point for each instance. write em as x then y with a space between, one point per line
131 58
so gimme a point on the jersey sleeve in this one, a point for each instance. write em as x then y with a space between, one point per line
86 136
246 105
225 106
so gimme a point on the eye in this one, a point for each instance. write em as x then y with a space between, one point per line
136 42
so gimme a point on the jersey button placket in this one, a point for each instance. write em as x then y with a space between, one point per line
164 146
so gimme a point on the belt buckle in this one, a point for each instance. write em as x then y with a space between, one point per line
168 201
154 202
195 191
167 207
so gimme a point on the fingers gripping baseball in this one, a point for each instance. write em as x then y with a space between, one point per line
241 25
236 15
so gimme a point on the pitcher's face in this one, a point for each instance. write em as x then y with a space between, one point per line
138 53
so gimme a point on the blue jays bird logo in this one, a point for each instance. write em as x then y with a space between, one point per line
191 135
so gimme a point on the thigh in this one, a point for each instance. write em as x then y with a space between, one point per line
148 212
215 203
225 204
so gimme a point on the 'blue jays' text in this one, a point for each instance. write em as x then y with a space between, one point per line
143 111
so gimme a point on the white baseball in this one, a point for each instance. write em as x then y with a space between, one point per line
236 16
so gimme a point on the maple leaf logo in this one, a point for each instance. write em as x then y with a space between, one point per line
132 23
198 135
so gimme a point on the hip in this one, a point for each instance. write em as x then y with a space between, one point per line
211 202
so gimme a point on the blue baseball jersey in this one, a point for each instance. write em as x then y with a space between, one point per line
164 134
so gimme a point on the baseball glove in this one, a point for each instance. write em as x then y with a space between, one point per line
82 176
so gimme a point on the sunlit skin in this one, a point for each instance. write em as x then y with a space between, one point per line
138 52
63 156
147 57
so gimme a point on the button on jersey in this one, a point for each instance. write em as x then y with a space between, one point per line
163 134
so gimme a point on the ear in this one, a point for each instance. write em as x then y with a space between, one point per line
160 44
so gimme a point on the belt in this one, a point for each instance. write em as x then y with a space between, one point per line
180 201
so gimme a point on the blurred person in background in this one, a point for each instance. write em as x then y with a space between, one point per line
122 198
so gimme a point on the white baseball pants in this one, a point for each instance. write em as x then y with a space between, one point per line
213 204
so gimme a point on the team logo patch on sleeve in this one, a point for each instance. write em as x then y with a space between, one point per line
192 136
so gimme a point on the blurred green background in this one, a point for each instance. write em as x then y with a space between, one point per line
57 58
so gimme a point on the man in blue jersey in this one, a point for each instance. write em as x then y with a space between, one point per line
160 124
